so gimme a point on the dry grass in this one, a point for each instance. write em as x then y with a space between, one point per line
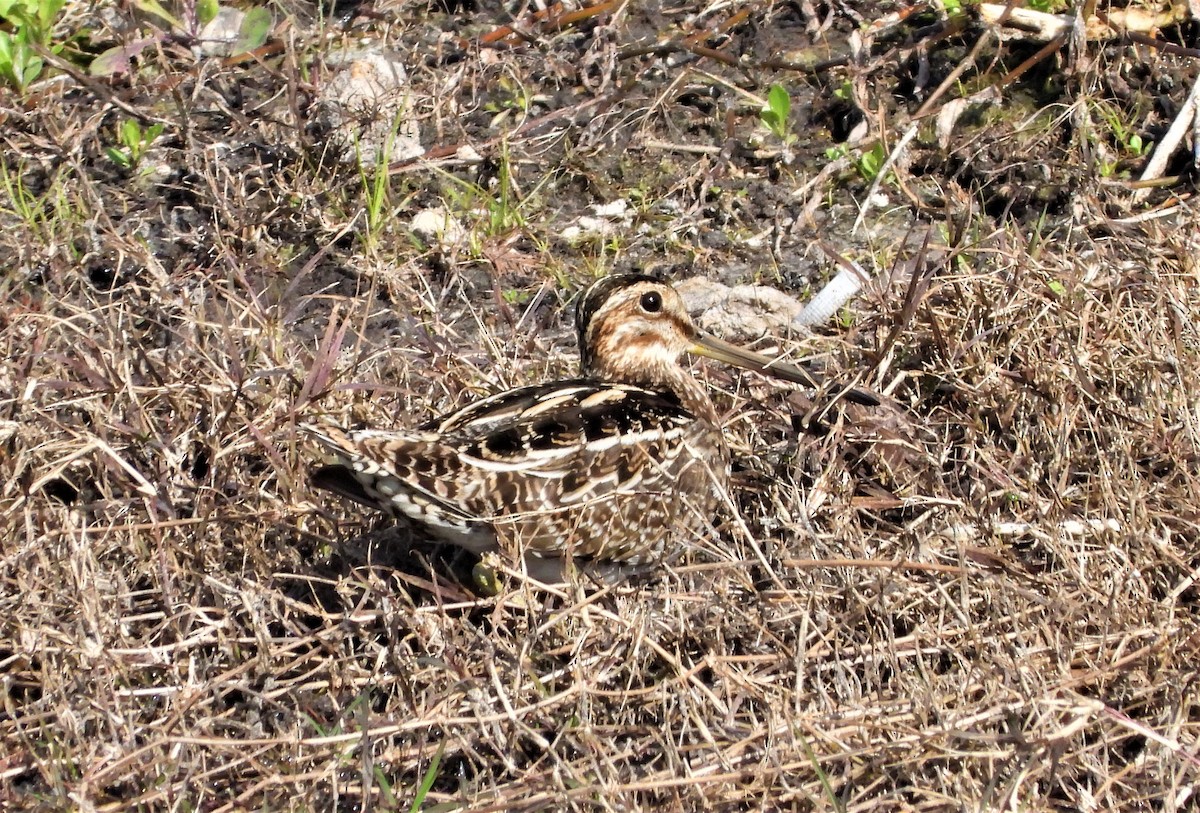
981 595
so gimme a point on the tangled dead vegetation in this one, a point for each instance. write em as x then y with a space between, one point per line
980 595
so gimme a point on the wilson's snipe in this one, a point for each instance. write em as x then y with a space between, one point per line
603 468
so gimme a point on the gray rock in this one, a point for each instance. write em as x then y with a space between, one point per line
364 100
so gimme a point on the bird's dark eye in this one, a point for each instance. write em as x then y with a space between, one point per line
652 302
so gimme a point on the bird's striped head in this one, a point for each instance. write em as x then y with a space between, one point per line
634 328
631 327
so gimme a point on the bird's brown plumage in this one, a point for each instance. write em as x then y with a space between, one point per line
607 467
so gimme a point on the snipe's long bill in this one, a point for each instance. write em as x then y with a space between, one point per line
612 467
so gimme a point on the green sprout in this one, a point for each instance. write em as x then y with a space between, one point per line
133 142
870 163
776 113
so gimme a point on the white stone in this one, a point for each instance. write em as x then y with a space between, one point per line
436 225
219 34
365 101
616 210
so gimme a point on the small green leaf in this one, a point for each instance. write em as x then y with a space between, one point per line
110 62
47 12
19 64
131 133
206 11
118 157
155 8
871 162
776 111
119 59
780 103
256 25
1057 287
31 71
